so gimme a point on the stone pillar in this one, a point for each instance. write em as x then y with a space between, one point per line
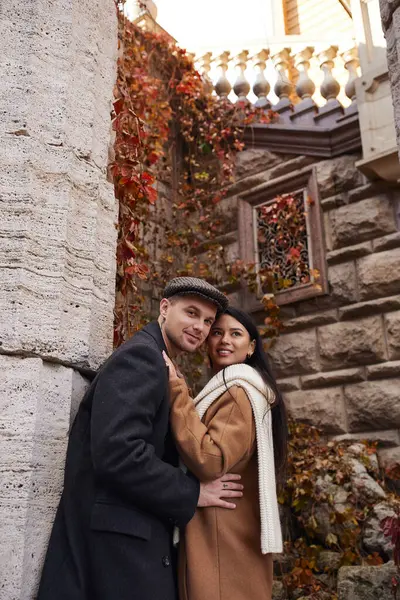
58 236
390 12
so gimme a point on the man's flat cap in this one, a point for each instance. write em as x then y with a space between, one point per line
196 287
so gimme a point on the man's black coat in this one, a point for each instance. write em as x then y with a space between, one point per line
123 492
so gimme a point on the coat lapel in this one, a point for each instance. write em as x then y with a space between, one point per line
154 330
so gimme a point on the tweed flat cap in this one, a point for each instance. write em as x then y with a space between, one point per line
196 287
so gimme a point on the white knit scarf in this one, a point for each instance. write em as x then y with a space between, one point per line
261 397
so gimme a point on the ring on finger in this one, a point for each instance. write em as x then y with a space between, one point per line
225 485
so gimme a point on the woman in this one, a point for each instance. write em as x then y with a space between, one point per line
236 424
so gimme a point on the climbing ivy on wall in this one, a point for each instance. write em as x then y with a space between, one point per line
169 130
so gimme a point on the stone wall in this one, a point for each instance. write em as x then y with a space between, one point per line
390 12
338 359
57 229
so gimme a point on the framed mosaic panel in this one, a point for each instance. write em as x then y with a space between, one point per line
280 231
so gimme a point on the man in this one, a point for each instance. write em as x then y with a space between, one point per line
123 491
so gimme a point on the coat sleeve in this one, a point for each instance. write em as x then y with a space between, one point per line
212 450
128 394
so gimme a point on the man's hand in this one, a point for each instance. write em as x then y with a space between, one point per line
213 492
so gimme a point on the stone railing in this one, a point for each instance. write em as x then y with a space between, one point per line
280 77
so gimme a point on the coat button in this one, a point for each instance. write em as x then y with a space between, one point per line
165 561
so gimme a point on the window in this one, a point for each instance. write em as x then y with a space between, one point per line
280 232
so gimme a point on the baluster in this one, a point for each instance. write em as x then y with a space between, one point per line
306 109
305 86
261 86
283 87
330 87
204 63
241 86
351 63
223 87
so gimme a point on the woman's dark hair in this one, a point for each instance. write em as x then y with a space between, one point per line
259 361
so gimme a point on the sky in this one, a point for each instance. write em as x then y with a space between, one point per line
203 24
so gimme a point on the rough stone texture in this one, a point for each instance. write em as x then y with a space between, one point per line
388 7
388 439
278 591
373 538
338 175
319 318
387 243
357 342
57 250
371 307
295 353
58 211
389 457
289 385
332 378
392 322
343 283
363 485
323 408
328 560
361 221
254 160
373 405
35 415
366 583
349 253
387 369
379 274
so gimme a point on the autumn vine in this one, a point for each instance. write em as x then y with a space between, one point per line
171 133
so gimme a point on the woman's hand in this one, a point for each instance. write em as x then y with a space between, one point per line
173 373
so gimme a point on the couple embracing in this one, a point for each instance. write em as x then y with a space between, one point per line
128 497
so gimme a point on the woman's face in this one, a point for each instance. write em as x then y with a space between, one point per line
228 343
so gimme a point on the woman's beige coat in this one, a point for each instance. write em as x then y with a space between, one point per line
220 553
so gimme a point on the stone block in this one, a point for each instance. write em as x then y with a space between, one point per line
334 202
342 281
351 343
387 242
58 210
290 384
308 321
388 7
290 165
373 537
328 560
361 221
366 583
349 253
324 379
373 405
35 417
371 307
386 369
385 439
379 274
295 353
392 322
389 458
254 160
338 175
323 408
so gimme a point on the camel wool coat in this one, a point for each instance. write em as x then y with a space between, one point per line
220 552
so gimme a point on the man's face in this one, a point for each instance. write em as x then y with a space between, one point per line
187 322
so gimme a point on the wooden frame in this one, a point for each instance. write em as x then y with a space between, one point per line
305 179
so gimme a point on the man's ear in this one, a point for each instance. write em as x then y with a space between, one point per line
164 305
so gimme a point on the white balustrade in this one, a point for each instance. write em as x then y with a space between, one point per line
283 76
